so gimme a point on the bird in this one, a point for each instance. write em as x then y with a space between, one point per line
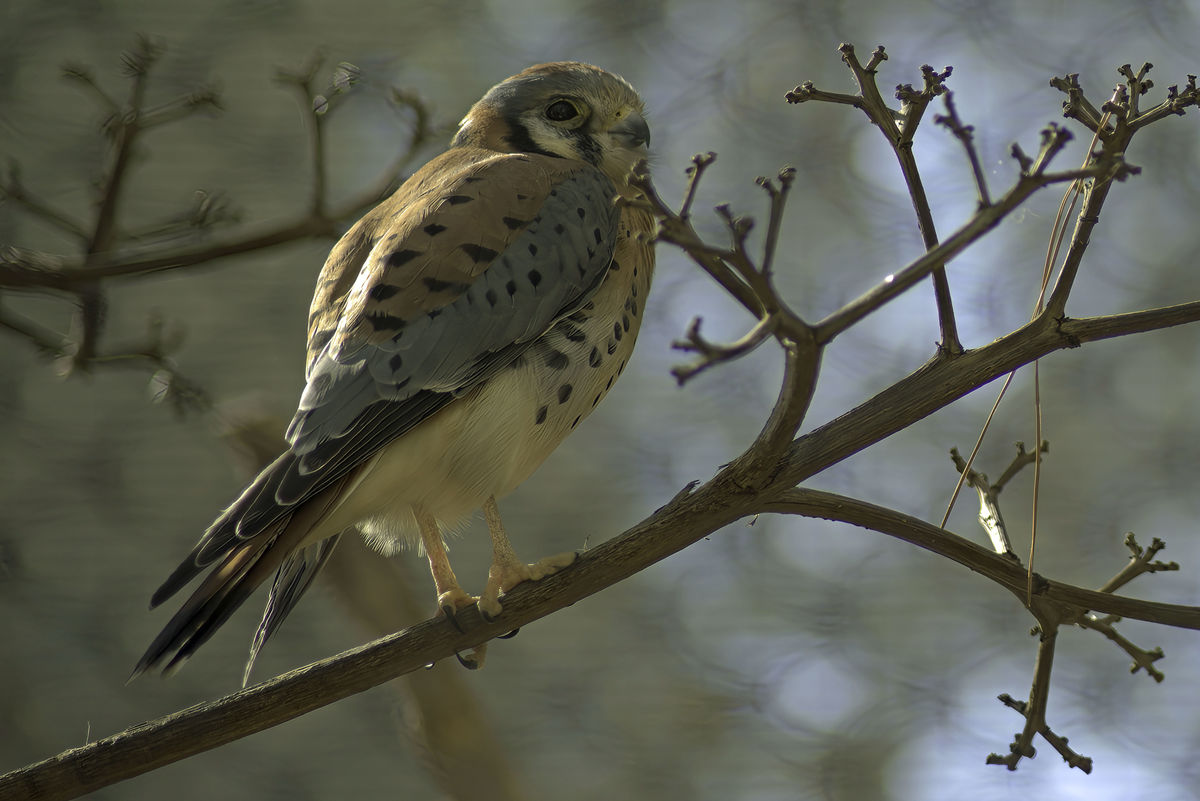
458 333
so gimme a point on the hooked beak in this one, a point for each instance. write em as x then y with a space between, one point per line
633 130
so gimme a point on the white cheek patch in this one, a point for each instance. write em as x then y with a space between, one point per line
550 139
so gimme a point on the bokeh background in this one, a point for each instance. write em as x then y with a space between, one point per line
791 659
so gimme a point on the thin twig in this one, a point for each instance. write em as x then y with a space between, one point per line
1142 659
11 188
712 354
700 163
990 516
966 136
778 196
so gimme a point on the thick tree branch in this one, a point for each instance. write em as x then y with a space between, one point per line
1007 573
689 517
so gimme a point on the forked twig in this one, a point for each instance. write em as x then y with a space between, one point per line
899 127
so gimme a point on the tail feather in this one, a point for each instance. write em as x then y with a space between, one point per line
245 565
291 582
210 605
222 536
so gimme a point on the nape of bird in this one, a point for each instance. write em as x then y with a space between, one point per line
458 332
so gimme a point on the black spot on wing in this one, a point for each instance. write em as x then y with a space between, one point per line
383 291
386 322
438 285
433 229
401 257
478 253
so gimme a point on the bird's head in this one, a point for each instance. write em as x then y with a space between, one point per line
565 109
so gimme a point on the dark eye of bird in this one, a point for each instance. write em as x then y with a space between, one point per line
561 111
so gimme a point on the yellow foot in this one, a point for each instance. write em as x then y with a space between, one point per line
503 576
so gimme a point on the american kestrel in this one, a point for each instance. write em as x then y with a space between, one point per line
458 332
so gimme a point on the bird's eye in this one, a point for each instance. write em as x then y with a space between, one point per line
561 111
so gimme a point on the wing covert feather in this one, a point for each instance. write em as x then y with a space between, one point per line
461 267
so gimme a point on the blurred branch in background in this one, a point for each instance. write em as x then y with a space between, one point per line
109 253
765 477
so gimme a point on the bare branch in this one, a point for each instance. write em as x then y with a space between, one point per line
980 223
1142 659
11 188
316 106
1020 747
966 135
940 382
677 230
1141 561
84 278
48 343
700 163
778 196
1063 599
898 128
990 516
1176 103
712 354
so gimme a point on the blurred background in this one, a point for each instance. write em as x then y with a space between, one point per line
785 660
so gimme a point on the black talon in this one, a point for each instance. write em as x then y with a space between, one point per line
508 636
452 615
469 664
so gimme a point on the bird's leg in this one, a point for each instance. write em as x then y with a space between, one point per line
450 596
507 571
